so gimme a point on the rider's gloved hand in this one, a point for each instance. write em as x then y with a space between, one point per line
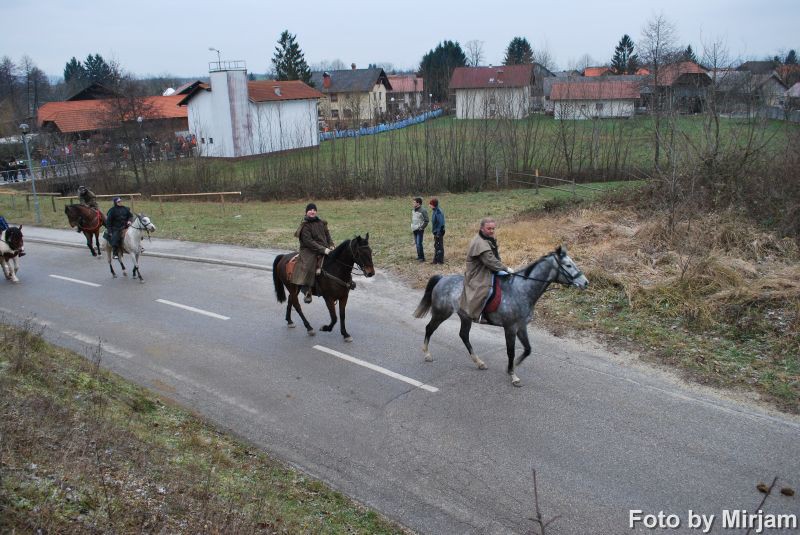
327 251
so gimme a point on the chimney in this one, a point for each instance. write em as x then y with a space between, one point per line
353 66
326 80
277 90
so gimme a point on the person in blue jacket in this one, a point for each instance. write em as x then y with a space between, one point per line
437 229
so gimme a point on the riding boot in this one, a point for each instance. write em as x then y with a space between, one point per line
307 298
116 253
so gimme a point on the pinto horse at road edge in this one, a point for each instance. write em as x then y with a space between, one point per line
333 283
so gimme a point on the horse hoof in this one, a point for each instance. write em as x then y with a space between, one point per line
348 339
516 382
326 329
311 332
428 357
482 366
291 325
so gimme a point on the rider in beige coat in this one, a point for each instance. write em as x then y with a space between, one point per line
483 260
315 243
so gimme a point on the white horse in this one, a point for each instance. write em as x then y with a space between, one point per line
11 247
131 244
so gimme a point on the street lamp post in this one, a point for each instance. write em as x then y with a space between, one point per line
219 61
25 128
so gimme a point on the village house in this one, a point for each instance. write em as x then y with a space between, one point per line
99 109
232 117
576 78
743 92
407 95
505 91
678 86
352 97
596 99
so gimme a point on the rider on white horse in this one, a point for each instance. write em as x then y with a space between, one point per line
118 218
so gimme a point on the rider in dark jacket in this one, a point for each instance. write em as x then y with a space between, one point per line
118 218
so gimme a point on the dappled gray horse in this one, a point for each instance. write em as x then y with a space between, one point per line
520 292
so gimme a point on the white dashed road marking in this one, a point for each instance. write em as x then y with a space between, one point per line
193 309
75 280
377 368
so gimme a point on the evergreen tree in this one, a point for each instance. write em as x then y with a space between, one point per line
74 70
625 61
437 67
791 58
688 54
289 62
519 52
98 70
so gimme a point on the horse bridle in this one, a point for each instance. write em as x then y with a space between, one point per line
561 269
143 227
356 257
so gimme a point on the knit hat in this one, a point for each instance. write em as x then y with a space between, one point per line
115 200
311 206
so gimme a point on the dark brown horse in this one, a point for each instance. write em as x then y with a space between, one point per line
333 283
89 221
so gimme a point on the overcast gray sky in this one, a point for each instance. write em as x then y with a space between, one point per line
149 37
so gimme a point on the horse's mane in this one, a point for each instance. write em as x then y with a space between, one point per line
530 267
337 252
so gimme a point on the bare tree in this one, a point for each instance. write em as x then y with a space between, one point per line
656 45
544 57
582 62
474 51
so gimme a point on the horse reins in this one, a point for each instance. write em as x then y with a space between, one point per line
561 269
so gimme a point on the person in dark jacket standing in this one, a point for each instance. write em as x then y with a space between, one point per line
419 220
118 218
315 244
437 229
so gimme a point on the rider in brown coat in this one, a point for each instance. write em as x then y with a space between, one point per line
483 261
315 243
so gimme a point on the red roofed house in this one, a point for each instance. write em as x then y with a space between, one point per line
587 100
678 86
597 71
84 117
507 91
406 94
232 117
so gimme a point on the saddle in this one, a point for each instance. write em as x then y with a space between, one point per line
493 302
290 265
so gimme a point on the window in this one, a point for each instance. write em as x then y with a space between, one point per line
598 106
211 140
335 114
334 97
202 140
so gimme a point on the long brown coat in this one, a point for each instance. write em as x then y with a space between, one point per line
482 262
314 239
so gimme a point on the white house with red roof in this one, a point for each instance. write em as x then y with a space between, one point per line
232 117
588 100
505 91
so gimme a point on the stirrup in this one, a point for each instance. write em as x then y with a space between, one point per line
307 298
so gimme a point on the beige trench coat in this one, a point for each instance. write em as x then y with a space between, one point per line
481 264
314 239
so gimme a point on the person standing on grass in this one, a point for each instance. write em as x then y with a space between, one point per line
419 220
483 263
315 244
437 229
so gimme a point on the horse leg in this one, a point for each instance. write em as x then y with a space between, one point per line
97 242
466 325
342 306
110 262
331 304
88 237
430 328
522 334
511 339
136 270
289 321
295 300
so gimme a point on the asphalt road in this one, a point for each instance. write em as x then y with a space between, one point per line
440 447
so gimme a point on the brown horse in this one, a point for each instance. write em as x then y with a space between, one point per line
333 283
89 221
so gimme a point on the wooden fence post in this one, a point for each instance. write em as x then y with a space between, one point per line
222 200
537 181
161 204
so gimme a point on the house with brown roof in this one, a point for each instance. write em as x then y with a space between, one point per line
597 71
678 86
231 117
739 91
505 91
353 96
82 118
407 94
596 99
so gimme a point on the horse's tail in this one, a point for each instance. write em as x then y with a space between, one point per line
280 291
425 304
